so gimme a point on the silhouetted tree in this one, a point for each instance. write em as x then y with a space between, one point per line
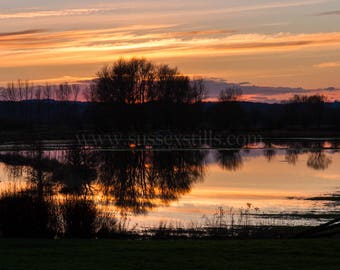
306 111
171 86
48 91
79 216
199 90
231 93
63 92
139 81
314 99
38 92
125 82
18 91
75 91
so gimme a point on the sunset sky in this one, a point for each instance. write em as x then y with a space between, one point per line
293 43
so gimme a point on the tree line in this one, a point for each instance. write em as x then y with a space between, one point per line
137 94
133 81
25 90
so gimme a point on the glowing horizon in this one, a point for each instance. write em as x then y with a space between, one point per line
267 43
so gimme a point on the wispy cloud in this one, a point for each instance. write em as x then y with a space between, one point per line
328 65
275 24
274 5
328 13
38 47
52 13
176 8
21 33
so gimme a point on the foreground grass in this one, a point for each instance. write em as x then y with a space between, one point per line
113 254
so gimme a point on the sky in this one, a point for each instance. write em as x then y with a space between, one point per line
292 43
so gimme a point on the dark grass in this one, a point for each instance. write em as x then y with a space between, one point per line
114 254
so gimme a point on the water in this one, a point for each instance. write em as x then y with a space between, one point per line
150 186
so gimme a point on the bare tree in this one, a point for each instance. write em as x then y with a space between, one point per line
90 93
47 91
63 92
28 90
9 93
171 86
38 92
20 90
145 78
314 99
231 93
75 90
139 81
199 90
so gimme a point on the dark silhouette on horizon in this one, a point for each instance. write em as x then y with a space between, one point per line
138 95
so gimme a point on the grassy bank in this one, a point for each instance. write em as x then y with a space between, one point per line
112 254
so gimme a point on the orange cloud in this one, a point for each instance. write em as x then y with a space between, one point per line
88 49
328 65
50 13
20 33
34 47
185 8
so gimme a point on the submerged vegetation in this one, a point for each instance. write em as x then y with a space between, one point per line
25 215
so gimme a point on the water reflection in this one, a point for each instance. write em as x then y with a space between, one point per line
133 181
75 172
230 159
269 151
318 160
139 180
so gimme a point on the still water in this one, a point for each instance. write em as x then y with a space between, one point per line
150 186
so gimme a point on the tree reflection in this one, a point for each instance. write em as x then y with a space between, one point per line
75 174
35 167
292 156
134 181
230 160
318 160
269 152
139 180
